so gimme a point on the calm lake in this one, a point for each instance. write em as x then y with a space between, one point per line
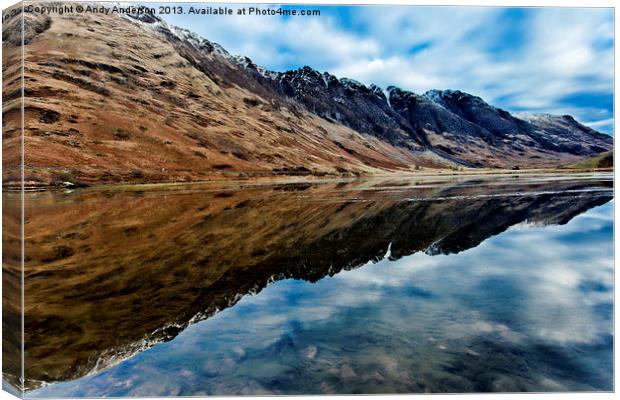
408 285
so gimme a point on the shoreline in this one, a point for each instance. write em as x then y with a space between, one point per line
298 179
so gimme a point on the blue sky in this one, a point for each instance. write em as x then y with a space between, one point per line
553 60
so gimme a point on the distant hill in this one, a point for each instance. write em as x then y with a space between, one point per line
605 160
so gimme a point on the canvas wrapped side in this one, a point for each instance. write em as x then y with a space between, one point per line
12 199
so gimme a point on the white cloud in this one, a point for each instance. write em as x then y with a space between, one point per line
562 52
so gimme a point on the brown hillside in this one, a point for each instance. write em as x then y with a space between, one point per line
108 101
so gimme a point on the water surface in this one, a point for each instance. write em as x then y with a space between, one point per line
383 286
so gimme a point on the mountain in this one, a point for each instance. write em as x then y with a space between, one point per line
111 273
119 98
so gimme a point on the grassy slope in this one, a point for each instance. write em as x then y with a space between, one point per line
603 160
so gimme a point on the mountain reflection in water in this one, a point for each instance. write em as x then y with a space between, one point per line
112 272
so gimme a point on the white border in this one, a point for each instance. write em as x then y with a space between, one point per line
538 3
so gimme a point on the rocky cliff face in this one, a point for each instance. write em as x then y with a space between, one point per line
347 102
536 131
114 98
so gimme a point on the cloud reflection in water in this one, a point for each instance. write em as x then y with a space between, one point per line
527 310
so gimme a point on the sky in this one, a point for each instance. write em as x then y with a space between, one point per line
549 60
